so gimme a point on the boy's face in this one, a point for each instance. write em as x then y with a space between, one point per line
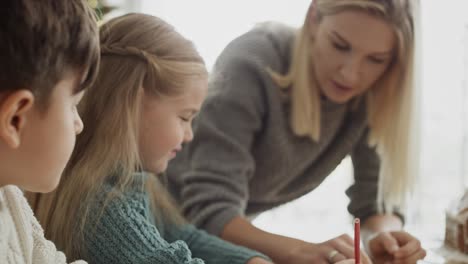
45 139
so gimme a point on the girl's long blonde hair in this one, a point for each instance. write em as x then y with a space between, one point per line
137 51
389 102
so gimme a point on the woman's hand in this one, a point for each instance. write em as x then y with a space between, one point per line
258 260
348 261
397 247
334 250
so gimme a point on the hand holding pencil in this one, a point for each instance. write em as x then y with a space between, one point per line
341 250
336 250
347 250
343 256
357 245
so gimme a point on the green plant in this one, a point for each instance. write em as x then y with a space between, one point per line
100 7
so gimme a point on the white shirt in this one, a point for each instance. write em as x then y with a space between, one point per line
21 236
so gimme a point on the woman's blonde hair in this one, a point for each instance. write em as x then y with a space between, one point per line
389 102
137 51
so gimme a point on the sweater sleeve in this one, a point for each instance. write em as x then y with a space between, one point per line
210 248
124 234
215 186
363 193
43 250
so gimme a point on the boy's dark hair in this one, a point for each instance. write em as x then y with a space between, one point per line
40 41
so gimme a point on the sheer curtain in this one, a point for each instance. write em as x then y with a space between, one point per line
442 78
444 150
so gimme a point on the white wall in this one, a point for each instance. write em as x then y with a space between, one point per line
444 106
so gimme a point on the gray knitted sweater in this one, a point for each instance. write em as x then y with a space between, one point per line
245 159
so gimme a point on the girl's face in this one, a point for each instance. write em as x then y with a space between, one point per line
352 51
166 123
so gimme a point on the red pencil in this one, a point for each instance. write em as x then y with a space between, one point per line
357 241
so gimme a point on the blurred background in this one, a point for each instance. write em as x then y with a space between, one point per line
442 102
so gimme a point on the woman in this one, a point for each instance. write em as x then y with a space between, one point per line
285 106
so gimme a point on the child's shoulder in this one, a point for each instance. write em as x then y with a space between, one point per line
135 188
13 200
22 233
132 197
13 205
9 190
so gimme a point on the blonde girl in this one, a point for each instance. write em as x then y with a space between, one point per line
109 206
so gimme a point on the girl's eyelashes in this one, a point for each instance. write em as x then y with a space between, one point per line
185 119
188 116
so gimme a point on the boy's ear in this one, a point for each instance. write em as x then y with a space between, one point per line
14 109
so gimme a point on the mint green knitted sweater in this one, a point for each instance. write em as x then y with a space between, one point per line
126 233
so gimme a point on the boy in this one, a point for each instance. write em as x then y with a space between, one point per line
49 52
